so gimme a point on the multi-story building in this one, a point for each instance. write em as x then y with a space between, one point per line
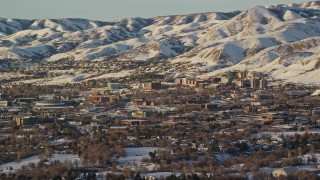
243 83
216 80
226 80
243 74
191 82
255 83
263 83
184 80
178 81
153 85
102 99
139 86
113 86
5 103
31 120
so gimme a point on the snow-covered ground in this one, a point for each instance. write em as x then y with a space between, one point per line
35 159
159 175
69 76
136 154
282 40
285 133
60 141
110 75
140 151
306 156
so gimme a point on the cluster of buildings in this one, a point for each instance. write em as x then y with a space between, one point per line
148 86
243 79
187 116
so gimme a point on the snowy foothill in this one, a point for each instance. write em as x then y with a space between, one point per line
280 40
72 76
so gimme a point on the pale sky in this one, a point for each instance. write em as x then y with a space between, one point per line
109 10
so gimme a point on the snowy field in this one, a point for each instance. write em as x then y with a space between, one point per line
35 159
136 154
141 151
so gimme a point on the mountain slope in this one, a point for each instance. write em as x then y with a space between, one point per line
275 39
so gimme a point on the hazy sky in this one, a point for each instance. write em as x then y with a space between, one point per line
108 10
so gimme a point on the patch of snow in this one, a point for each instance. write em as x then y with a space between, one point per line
35 159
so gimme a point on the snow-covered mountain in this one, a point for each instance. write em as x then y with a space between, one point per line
282 40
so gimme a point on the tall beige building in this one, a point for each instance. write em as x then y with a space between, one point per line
263 83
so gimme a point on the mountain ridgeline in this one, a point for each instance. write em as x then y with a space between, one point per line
282 40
